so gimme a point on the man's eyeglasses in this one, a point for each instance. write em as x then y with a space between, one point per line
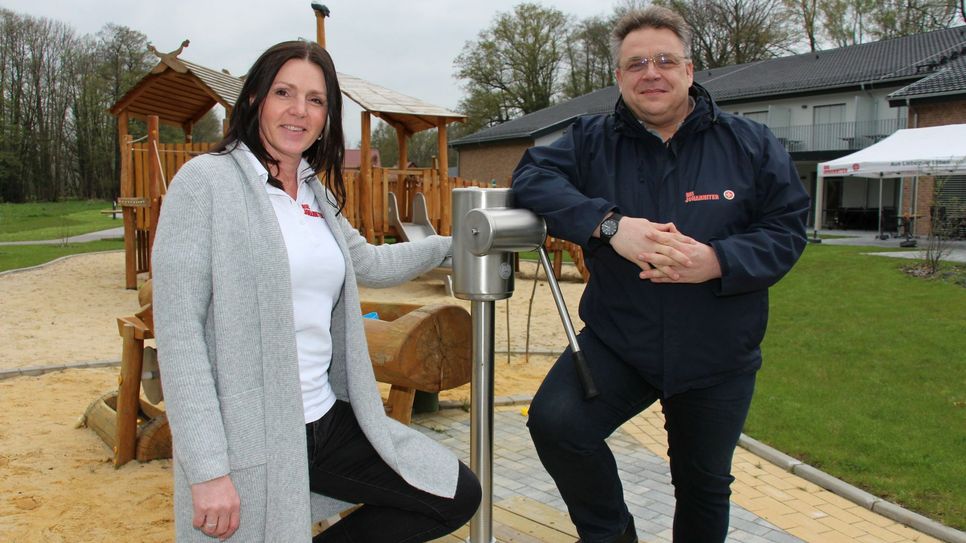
662 61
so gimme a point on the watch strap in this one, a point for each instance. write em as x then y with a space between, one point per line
614 218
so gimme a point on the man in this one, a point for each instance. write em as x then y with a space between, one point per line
687 215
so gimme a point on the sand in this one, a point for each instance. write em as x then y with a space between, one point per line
57 482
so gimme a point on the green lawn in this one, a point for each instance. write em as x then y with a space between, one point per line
533 256
865 378
53 220
24 256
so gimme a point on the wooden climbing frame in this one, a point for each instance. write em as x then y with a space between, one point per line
412 348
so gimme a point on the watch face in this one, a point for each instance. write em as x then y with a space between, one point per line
608 228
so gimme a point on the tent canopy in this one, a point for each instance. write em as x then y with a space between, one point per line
936 150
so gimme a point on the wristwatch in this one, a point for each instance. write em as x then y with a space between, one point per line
608 228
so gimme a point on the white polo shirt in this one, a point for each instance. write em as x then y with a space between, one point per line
317 269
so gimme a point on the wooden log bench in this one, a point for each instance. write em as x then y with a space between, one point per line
412 348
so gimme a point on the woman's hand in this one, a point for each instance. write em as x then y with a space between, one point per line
216 506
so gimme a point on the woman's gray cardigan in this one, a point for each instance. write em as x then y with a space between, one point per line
229 366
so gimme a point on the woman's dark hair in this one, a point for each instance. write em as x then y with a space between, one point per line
325 156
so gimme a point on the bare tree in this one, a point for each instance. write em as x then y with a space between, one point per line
113 61
806 12
850 22
588 58
12 184
846 22
93 125
735 31
38 86
515 65
57 139
896 18
942 226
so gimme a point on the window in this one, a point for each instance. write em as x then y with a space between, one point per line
950 205
760 116
829 129
832 113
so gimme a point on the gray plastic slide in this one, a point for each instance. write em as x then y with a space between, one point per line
420 228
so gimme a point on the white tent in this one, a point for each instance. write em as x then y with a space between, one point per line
937 150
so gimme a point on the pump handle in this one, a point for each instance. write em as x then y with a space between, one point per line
583 369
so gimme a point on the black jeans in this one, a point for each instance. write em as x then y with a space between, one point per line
702 425
343 465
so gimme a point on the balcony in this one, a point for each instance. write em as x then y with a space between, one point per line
847 136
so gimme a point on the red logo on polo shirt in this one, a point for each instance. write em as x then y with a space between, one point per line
308 211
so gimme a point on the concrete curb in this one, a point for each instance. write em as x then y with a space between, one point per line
855 495
33 371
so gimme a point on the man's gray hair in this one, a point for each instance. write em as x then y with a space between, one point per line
649 17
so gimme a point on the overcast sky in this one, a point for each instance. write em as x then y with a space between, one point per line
406 45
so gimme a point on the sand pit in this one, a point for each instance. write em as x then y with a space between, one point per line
56 480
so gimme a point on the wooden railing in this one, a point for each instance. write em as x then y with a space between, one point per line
404 184
138 161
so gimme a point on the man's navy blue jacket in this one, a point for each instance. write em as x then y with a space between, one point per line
723 180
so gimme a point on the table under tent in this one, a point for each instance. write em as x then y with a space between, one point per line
916 154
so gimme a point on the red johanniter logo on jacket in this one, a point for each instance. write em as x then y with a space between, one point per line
690 196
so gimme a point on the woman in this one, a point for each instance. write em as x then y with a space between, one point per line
268 384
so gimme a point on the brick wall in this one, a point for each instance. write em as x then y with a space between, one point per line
491 161
937 114
921 116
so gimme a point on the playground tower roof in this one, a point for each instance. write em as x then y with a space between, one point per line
395 108
178 91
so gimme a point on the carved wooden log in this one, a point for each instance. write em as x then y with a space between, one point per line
152 433
422 347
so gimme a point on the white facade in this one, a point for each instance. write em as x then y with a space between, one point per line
844 121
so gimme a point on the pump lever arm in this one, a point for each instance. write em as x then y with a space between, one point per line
583 370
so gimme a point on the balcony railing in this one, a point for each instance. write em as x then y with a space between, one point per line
850 136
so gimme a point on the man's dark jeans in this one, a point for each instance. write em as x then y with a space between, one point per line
703 426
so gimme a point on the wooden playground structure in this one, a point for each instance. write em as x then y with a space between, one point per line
412 348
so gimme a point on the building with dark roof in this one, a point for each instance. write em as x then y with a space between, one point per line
821 105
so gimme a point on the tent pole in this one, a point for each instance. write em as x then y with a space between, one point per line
881 234
819 193
899 211
915 205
